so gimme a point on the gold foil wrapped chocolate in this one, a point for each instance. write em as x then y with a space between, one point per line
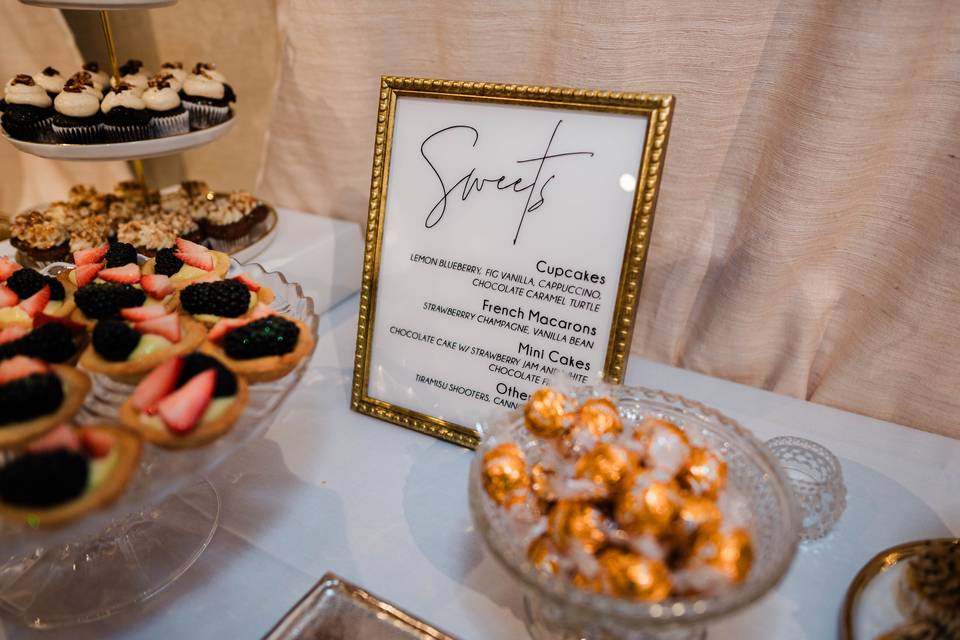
540 483
573 522
608 466
547 413
600 417
695 518
634 577
647 506
705 474
667 446
543 555
505 475
730 553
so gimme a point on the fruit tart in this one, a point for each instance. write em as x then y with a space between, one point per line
128 347
53 342
187 401
67 473
36 396
210 302
262 346
189 262
26 294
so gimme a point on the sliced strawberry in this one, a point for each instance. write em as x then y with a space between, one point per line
167 326
248 282
199 260
157 384
7 297
87 273
260 311
91 255
139 314
186 246
157 286
225 326
41 319
20 367
7 267
127 274
62 437
97 443
37 302
181 410
12 333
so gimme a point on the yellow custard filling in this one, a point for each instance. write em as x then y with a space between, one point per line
216 408
149 343
209 318
15 315
188 272
100 468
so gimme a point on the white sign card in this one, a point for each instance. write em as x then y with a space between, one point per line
505 246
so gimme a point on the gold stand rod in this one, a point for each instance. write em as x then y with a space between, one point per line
142 179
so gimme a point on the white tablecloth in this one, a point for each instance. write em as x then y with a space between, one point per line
386 508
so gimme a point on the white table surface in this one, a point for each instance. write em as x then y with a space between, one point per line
386 508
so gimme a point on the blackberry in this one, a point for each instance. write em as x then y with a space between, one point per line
99 301
44 479
26 282
270 336
228 298
38 394
195 363
113 339
119 254
53 342
167 263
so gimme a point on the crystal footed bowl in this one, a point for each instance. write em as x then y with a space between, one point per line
555 608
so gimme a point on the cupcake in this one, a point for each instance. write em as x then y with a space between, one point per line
148 236
92 231
167 116
211 70
133 73
234 216
38 237
205 98
51 81
183 225
28 110
77 120
174 69
101 80
85 80
125 116
62 213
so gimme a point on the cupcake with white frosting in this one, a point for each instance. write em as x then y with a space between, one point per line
167 115
86 82
125 116
28 110
77 120
174 69
206 98
51 81
101 79
211 70
133 73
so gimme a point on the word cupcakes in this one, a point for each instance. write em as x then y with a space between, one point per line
630 507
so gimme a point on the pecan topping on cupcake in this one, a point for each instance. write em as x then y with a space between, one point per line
22 78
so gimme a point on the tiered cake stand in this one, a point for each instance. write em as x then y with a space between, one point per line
168 514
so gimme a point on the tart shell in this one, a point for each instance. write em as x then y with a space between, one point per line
266 368
192 334
221 264
76 385
201 435
128 456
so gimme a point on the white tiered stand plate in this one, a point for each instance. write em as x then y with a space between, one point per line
101 5
137 150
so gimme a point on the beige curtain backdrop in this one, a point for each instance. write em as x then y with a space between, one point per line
807 236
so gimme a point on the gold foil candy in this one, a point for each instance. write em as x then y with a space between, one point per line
667 446
647 506
696 518
540 483
632 576
730 553
600 416
607 465
572 522
546 413
705 475
504 474
542 555
587 584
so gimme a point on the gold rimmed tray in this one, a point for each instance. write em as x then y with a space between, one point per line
884 567
335 609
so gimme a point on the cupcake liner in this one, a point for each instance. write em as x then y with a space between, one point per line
39 131
76 134
204 116
126 132
231 245
170 125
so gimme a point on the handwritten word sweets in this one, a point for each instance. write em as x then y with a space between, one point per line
633 510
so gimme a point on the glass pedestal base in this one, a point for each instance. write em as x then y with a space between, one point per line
130 561
546 621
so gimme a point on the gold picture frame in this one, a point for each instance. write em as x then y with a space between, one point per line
658 108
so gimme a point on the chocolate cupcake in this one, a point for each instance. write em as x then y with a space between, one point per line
206 99
148 236
91 231
85 80
38 237
51 81
175 70
101 79
28 110
78 115
211 70
133 73
125 116
233 217
167 115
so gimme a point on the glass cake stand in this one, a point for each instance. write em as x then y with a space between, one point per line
556 609
165 518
